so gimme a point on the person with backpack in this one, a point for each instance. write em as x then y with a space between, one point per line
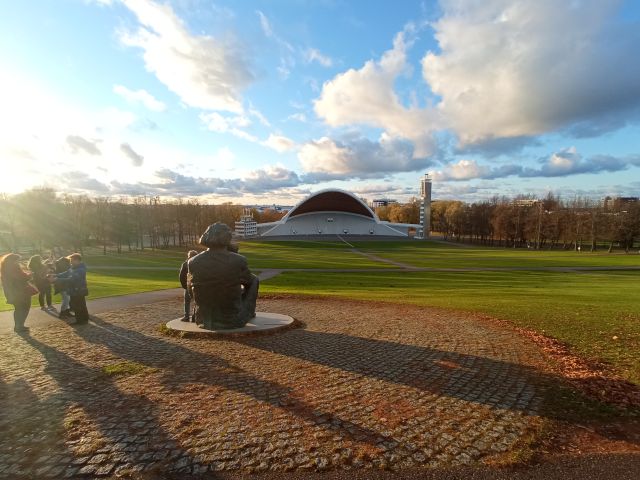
74 281
62 265
17 289
40 270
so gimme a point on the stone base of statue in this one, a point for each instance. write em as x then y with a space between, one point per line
263 322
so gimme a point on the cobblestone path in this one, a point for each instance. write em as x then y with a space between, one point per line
359 386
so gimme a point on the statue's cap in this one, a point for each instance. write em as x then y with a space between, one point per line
218 234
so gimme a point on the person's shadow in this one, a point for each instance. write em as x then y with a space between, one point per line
128 423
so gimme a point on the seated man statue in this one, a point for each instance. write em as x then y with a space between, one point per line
222 286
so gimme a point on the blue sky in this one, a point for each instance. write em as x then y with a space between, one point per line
265 102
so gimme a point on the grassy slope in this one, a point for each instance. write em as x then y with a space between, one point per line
107 283
585 310
104 282
434 254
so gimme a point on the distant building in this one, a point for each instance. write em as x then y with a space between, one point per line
246 227
382 202
333 212
425 208
619 203
525 202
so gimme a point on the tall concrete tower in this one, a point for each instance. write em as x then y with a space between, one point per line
425 207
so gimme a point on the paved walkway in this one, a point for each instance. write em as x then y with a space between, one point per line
396 387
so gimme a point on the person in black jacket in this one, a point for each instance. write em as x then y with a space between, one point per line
184 271
40 270
75 283
17 289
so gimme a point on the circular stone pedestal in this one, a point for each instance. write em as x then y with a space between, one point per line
262 323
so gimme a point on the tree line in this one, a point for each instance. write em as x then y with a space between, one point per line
546 223
40 219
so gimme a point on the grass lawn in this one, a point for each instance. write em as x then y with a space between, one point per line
438 255
305 254
260 255
107 283
585 310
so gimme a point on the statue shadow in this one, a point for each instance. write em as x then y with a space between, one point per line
181 366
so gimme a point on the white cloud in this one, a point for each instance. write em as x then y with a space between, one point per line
140 96
462 170
513 68
299 117
563 163
279 143
203 71
367 96
229 124
314 55
356 156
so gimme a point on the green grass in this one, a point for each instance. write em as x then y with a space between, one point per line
585 310
305 254
126 368
440 255
107 283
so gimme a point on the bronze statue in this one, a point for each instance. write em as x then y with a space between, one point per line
223 288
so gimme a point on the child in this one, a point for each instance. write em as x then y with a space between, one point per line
75 283
40 272
62 265
184 270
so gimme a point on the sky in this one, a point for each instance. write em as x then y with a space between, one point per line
261 102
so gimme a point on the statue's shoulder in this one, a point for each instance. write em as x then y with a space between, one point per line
238 258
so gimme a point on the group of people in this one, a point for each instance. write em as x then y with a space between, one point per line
66 276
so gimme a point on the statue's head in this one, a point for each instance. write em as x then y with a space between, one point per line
216 235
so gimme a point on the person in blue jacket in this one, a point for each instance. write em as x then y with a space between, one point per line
74 282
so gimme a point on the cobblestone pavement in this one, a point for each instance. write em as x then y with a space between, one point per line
358 386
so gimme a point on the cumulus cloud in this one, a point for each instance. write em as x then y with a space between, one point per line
521 68
135 158
171 183
314 55
140 96
357 156
505 72
570 162
203 71
279 143
232 124
79 144
367 96
559 164
81 182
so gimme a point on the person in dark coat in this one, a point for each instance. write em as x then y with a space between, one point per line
40 270
184 271
17 289
74 281
62 265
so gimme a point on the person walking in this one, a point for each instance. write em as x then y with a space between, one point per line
40 271
74 282
17 289
184 271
